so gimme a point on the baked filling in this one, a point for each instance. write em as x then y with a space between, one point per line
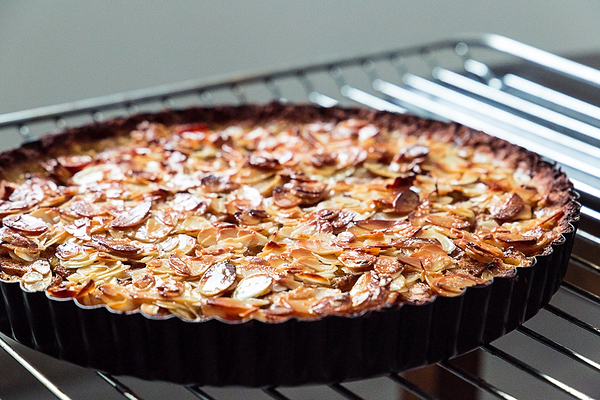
278 218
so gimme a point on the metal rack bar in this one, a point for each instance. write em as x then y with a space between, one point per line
274 393
535 373
345 392
573 320
497 95
475 381
33 371
559 348
582 292
411 387
551 96
199 393
118 386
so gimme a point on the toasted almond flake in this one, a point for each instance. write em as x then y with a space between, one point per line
170 289
378 224
447 243
388 266
284 198
218 278
453 285
448 220
406 202
186 202
150 309
26 224
75 163
152 230
41 266
145 282
36 282
14 241
319 246
312 279
119 247
358 260
132 217
179 266
253 286
229 308
507 207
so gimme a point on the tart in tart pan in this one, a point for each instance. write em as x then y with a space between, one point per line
276 244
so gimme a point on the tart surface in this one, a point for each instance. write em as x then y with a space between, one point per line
273 212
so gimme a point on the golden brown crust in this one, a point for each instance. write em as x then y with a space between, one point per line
352 210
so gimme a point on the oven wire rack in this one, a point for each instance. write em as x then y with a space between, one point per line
543 102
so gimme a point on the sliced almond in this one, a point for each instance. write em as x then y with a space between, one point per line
263 162
312 279
319 246
284 198
448 220
41 266
26 223
217 279
388 266
308 192
74 163
253 286
170 289
12 239
186 202
357 260
453 285
218 184
86 209
145 282
115 246
406 202
507 207
179 266
133 216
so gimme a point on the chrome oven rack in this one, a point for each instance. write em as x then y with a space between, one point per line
535 99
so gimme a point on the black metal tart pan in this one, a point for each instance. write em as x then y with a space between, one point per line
255 353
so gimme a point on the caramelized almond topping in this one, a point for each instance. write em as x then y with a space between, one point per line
243 220
13 267
145 282
218 184
170 289
261 162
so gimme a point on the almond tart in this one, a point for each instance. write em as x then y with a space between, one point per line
275 244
